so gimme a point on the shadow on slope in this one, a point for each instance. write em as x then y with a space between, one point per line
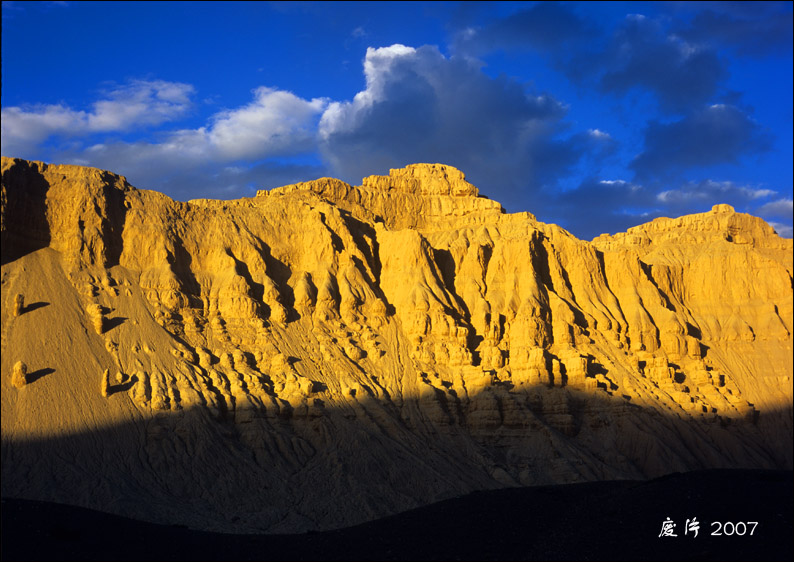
255 470
27 199
594 521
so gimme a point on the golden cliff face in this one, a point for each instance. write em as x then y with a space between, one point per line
323 353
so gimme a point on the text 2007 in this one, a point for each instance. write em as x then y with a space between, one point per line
729 528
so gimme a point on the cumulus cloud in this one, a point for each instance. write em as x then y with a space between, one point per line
715 135
140 103
275 124
419 106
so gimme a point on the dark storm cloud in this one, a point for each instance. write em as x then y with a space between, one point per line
546 25
753 29
642 54
718 134
609 206
420 106
598 206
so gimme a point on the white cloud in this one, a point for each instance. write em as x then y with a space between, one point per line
709 189
598 134
344 116
275 122
230 156
139 103
22 127
784 230
779 208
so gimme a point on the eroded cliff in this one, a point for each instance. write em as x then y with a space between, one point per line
323 354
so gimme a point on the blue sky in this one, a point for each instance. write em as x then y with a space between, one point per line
594 116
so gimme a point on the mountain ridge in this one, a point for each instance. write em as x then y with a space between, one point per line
400 341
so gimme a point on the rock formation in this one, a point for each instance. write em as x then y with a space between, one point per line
323 354
19 374
19 305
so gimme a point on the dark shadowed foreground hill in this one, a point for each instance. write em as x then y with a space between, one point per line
592 521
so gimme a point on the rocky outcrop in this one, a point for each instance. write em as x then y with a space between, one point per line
374 347
419 195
